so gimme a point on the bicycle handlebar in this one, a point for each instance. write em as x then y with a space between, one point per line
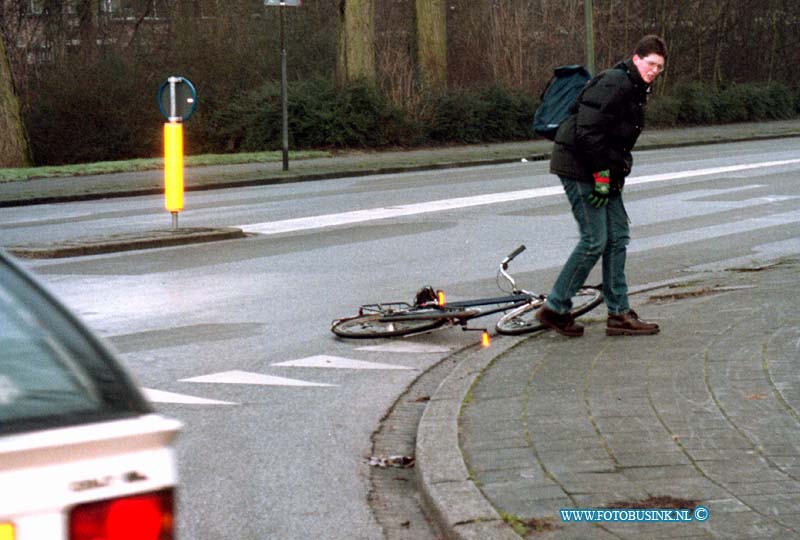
512 256
504 267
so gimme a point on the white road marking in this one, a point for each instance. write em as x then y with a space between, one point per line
715 231
775 198
159 396
374 214
336 362
244 377
762 254
401 347
761 201
706 172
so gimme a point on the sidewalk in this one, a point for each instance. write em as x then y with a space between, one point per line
703 414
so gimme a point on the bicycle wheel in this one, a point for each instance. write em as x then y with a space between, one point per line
371 326
523 319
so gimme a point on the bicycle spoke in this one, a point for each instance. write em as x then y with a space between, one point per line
372 326
523 320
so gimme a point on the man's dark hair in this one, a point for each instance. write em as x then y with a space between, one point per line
650 44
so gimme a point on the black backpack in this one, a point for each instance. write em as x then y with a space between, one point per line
558 97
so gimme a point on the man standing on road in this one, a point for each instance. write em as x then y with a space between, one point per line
592 157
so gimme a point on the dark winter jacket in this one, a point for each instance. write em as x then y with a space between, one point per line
606 121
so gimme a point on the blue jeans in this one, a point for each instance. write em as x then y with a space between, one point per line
604 232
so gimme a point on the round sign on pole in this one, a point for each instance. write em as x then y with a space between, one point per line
177 99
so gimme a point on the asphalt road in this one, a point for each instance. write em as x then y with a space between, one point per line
232 337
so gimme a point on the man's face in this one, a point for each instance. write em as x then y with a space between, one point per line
649 67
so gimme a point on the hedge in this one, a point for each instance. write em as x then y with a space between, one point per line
319 115
71 126
478 115
695 104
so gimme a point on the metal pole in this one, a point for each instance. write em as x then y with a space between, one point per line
173 99
284 98
589 29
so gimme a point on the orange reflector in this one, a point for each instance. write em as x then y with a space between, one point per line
441 298
486 339
173 166
6 531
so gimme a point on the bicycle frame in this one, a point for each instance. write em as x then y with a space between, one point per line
505 302
395 319
450 311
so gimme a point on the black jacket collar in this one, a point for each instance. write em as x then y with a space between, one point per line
633 73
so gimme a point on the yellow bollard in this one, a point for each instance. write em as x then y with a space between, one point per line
7 531
173 167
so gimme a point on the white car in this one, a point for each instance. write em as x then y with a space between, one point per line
82 454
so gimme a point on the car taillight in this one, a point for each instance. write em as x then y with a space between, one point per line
140 517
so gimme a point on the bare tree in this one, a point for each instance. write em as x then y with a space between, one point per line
432 42
721 14
396 53
88 24
229 50
356 55
14 149
510 47
55 29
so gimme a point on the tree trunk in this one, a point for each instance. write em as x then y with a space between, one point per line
14 149
55 29
356 55
432 42
721 31
87 14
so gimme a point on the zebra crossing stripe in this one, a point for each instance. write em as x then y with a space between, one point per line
374 214
160 396
336 362
245 377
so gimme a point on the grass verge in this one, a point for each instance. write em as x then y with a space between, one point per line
147 164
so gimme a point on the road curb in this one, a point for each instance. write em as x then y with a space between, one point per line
125 242
448 492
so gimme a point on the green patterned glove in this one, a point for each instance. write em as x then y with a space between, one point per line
599 195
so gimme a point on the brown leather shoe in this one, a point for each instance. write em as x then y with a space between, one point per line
563 324
629 324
